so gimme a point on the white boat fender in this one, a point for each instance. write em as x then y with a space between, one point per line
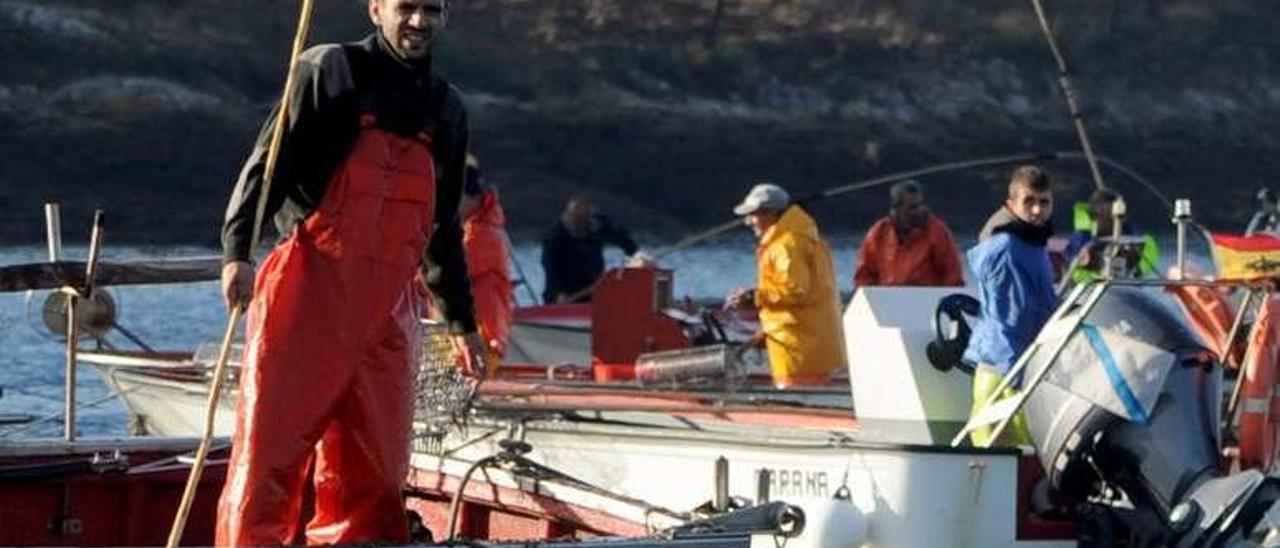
834 523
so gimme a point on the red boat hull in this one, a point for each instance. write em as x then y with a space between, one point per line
50 495
56 504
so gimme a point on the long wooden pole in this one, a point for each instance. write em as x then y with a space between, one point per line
282 117
273 156
1069 91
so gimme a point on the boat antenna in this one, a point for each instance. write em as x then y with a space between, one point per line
1069 93
219 370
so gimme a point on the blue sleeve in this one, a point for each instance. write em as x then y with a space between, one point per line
1017 296
1005 301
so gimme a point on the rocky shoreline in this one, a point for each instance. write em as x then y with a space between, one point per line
147 110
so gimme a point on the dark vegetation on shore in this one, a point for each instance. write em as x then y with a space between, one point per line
665 110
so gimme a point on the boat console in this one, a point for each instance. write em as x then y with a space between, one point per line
898 395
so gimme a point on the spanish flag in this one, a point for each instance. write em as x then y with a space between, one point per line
1246 257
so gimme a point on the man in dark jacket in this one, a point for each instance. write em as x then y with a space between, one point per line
366 194
573 251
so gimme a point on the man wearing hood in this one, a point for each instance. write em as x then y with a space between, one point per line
1015 283
484 236
796 292
366 195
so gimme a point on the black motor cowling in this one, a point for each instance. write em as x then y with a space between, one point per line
1161 478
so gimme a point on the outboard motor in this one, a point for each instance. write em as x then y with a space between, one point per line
1128 420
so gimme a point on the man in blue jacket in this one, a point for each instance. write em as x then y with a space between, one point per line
1015 282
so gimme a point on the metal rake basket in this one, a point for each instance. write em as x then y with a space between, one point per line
442 395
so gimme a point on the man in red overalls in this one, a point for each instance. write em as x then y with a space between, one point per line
366 192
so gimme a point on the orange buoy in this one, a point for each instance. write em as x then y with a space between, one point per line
1210 314
1259 408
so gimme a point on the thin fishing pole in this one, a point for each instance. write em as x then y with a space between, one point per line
861 185
990 161
930 170
219 373
1127 172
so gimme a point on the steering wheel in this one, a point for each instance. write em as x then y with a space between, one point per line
951 332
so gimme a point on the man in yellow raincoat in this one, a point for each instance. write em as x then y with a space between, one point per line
796 290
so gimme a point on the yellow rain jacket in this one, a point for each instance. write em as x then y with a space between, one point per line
798 302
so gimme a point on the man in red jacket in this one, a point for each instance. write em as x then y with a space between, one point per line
910 246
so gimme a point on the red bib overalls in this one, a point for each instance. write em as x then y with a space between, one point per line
485 242
331 346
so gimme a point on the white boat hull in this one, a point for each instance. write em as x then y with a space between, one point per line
161 406
909 495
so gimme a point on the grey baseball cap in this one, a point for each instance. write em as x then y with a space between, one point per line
763 196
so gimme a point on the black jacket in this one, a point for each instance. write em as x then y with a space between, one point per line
573 264
336 83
